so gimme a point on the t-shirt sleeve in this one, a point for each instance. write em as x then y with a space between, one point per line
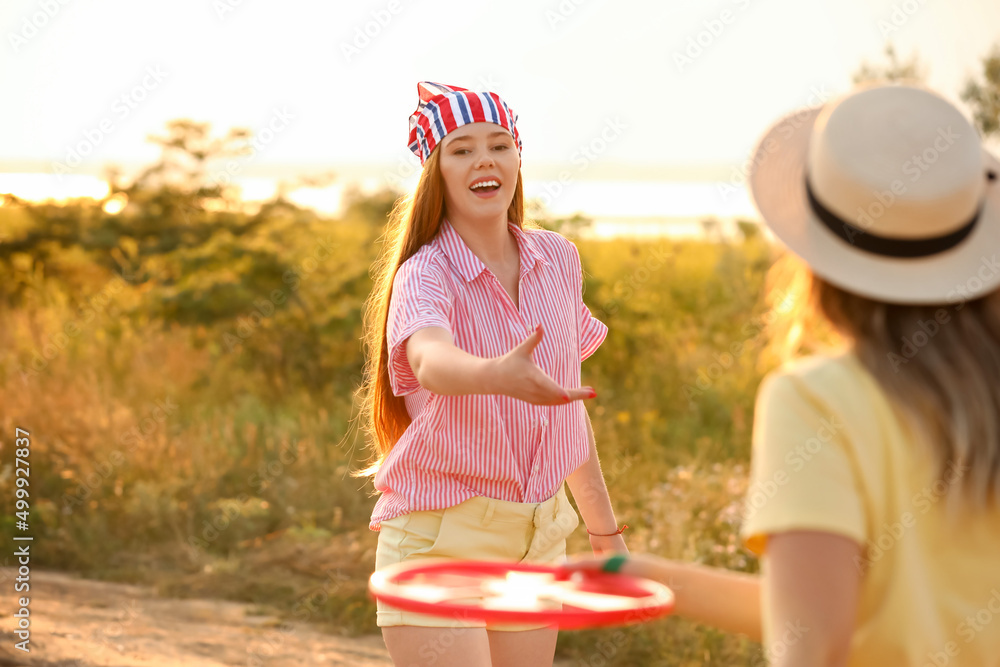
802 475
419 299
592 330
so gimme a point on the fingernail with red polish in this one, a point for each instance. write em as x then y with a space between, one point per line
565 398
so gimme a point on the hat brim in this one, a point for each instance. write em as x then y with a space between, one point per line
777 186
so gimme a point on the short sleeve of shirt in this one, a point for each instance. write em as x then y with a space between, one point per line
592 330
419 300
802 477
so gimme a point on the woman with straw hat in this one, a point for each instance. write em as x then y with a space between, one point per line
874 500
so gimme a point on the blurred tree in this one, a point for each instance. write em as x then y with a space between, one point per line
711 229
370 209
748 229
166 209
894 70
570 227
287 185
266 283
187 149
984 97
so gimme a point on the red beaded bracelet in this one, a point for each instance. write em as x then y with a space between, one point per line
617 532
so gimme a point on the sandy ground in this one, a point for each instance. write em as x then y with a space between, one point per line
82 623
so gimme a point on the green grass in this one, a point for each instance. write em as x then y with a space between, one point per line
242 490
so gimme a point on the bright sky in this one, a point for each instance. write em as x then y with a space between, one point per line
106 73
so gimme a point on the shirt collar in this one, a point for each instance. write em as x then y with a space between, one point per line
470 266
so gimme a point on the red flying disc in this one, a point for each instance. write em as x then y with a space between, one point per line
501 592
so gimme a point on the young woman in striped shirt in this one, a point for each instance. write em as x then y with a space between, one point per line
476 332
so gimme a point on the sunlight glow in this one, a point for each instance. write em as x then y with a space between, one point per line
115 204
42 187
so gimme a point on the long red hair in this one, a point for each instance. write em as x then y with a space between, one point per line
414 221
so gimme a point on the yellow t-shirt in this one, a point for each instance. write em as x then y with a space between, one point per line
830 454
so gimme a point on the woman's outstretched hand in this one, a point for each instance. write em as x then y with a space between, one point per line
517 375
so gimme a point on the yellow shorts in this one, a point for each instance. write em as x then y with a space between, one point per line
477 529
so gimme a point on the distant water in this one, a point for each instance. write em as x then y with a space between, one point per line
647 208
597 199
617 208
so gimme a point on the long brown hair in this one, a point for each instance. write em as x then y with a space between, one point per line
414 221
939 365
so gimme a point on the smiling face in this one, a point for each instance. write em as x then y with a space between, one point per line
479 165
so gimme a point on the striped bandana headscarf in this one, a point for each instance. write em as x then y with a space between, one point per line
446 108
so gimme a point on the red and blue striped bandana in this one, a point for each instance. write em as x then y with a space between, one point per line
445 108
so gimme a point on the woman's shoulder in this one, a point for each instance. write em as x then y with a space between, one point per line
819 366
428 257
550 243
427 264
834 378
547 236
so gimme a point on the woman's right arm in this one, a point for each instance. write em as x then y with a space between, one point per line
444 369
715 596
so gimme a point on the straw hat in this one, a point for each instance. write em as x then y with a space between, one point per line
886 192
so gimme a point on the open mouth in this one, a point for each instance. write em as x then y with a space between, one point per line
485 186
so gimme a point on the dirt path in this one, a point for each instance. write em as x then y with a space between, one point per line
83 623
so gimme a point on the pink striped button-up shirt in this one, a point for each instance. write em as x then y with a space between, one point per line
496 446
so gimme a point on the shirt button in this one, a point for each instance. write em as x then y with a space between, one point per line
545 421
